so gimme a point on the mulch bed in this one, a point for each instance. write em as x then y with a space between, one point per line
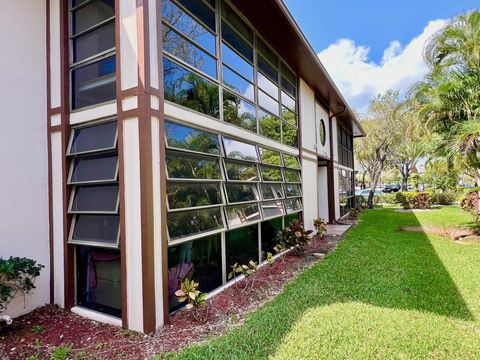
40 332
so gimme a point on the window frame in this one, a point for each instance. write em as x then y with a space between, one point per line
91 124
92 243
72 197
91 182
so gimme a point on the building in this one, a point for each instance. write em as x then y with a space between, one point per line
146 141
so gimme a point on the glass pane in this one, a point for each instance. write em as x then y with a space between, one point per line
272 191
94 42
241 192
183 137
192 222
94 168
199 260
185 88
293 205
288 101
99 279
272 208
269 126
95 198
188 52
94 83
235 61
271 157
238 43
241 246
289 218
237 171
268 103
267 53
265 67
288 74
292 176
265 84
293 190
271 174
269 231
186 194
289 88
188 26
238 84
238 150
102 229
239 112
289 135
291 161
92 138
92 14
237 23
242 214
289 116
198 8
189 166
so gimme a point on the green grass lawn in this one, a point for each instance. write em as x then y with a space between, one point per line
381 294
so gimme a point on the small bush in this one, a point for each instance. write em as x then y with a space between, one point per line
447 198
293 236
360 201
386 199
468 203
189 291
414 200
320 226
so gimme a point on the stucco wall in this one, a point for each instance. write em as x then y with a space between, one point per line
23 142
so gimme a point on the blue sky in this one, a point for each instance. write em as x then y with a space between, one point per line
371 45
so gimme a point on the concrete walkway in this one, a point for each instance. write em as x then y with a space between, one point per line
337 229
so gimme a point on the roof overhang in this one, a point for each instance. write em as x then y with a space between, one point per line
274 22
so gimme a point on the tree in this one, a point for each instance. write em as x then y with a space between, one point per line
374 151
440 176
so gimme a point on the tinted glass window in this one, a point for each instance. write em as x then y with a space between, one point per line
292 205
268 103
94 83
235 61
94 42
238 84
265 67
199 260
291 161
270 126
271 174
92 14
288 74
242 214
238 171
92 138
272 191
267 53
241 246
271 157
201 11
237 23
94 168
101 229
290 135
184 223
289 218
183 137
289 116
95 198
238 43
265 84
270 230
293 190
289 88
292 176
186 194
288 101
188 52
239 112
241 192
238 150
190 90
187 166
272 208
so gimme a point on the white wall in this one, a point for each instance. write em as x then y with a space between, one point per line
23 142
307 117
310 193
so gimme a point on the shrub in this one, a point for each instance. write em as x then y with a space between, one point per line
468 203
293 236
245 270
386 198
189 291
415 200
447 198
360 201
17 277
320 226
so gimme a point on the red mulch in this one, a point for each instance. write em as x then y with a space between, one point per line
91 340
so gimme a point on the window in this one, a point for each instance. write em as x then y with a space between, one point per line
293 205
241 192
239 112
345 147
239 150
241 171
270 157
272 191
270 126
272 209
93 138
102 230
292 176
185 138
269 231
291 161
94 168
194 222
242 214
95 198
271 174
346 191
293 190
241 246
183 195
92 63
190 166
323 133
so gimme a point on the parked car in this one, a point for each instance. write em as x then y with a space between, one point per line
391 188
365 193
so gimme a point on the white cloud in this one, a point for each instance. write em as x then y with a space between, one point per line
359 78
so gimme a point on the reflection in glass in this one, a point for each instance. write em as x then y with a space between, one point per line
239 112
185 88
239 150
269 87
272 191
289 88
293 190
94 42
268 103
265 67
289 116
238 84
292 176
94 168
289 218
269 125
271 174
92 14
269 231
186 194
242 214
270 157
199 260
291 161
92 138
189 166
238 171
241 192
288 102
293 205
237 23
289 135
267 53
272 208
235 61
188 52
235 41
241 246
101 229
183 137
95 198
192 222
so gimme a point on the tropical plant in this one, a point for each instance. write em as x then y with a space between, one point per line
320 226
270 259
414 200
293 236
440 175
189 292
245 270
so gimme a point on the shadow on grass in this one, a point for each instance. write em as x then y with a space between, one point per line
374 265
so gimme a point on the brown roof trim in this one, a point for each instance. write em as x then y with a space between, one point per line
276 24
